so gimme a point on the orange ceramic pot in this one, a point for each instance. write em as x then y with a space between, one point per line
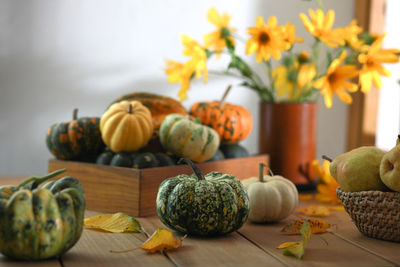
288 135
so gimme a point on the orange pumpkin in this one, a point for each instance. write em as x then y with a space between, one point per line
233 123
159 106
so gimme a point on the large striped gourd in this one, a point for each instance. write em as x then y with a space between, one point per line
41 222
205 205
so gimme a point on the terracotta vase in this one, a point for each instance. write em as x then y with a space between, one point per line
288 135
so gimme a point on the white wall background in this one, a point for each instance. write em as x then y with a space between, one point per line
58 55
388 124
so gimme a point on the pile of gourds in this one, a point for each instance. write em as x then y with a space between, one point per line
144 130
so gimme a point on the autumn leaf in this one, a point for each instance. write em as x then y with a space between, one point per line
338 207
161 239
305 197
297 249
315 211
317 227
114 223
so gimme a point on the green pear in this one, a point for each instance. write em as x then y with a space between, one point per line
358 169
390 168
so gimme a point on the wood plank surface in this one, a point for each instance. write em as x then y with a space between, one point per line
229 250
93 249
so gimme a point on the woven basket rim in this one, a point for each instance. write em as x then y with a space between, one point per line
370 193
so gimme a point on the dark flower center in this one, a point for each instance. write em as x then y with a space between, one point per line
332 78
264 37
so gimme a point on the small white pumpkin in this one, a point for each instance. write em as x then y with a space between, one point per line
271 198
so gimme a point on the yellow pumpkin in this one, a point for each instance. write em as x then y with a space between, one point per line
126 126
271 198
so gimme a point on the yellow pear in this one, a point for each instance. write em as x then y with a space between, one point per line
390 168
358 169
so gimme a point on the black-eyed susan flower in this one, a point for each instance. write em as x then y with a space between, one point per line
350 35
217 39
290 34
371 58
337 81
198 55
266 40
320 27
179 73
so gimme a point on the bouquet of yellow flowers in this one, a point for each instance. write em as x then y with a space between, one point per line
296 76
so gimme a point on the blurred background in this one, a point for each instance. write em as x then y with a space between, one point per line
59 55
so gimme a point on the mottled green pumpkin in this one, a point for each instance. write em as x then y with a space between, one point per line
188 138
79 139
41 222
214 204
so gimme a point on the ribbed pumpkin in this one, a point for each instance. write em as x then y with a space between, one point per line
159 106
271 198
126 126
79 139
214 204
187 138
233 123
41 222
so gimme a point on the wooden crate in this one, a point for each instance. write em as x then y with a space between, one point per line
134 191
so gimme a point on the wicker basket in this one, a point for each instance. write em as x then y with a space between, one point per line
376 214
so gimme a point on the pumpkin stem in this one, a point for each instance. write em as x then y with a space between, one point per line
75 114
221 102
199 174
38 180
130 109
327 158
261 172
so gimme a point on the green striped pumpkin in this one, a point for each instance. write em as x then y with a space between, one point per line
214 204
188 138
41 222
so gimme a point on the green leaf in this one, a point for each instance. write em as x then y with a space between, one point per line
299 248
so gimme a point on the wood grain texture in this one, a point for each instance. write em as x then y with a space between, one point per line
228 250
133 191
93 249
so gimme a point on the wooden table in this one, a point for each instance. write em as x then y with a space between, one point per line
252 245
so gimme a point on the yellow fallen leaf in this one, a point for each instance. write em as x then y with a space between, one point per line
114 223
317 227
297 249
338 207
305 197
287 244
315 211
161 239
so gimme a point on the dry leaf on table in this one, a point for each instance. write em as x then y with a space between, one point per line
297 249
160 240
305 197
317 227
114 223
315 211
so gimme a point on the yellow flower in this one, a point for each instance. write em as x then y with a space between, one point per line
198 56
266 40
350 35
371 58
336 81
306 74
327 188
290 33
217 38
281 82
179 73
320 26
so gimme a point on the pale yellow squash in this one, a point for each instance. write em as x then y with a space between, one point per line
271 198
126 126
